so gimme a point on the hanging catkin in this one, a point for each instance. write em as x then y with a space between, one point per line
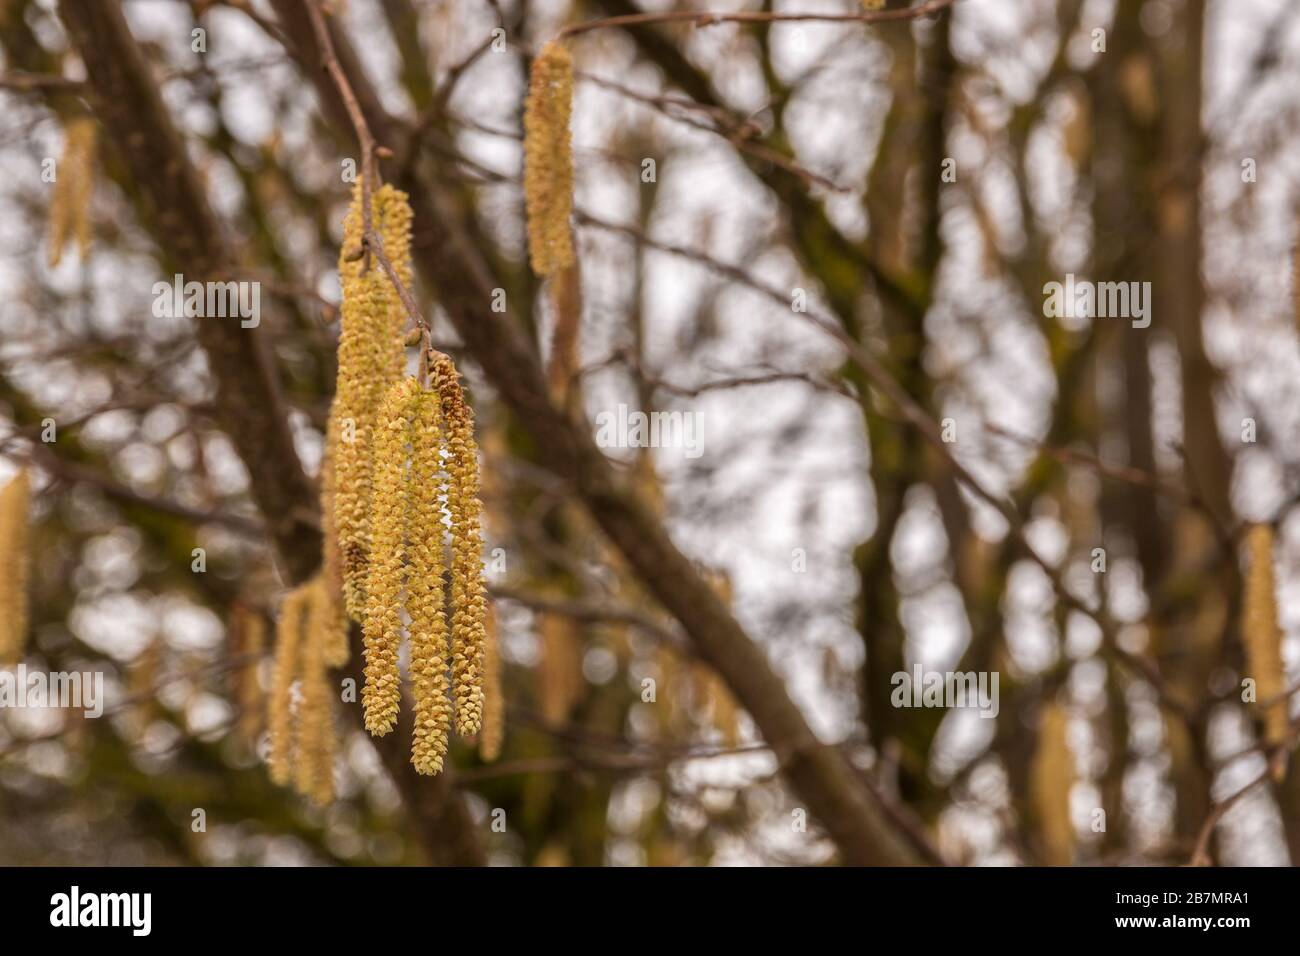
314 761
1262 636
468 594
73 185
548 160
492 736
247 644
559 672
337 651
1051 777
425 593
14 564
288 641
370 359
382 694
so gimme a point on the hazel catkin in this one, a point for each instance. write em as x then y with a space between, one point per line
548 160
382 693
288 648
370 359
1051 777
468 593
492 735
73 185
314 762
14 565
247 643
1262 636
425 593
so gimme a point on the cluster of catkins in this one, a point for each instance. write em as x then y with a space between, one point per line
403 545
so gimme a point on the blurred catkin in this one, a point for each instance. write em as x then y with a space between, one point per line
468 593
73 185
548 160
381 696
288 648
425 593
314 764
1051 777
247 644
492 736
370 360
14 567
559 674
1262 636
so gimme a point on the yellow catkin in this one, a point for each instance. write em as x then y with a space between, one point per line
73 185
288 644
548 160
1262 635
370 359
381 696
424 592
247 643
468 593
14 567
337 651
492 736
1051 776
394 223
314 766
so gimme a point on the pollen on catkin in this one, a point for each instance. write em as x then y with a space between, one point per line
1262 636
424 590
468 593
14 565
288 648
382 694
548 160
73 185
370 358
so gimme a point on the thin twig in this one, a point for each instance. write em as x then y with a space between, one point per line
703 18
